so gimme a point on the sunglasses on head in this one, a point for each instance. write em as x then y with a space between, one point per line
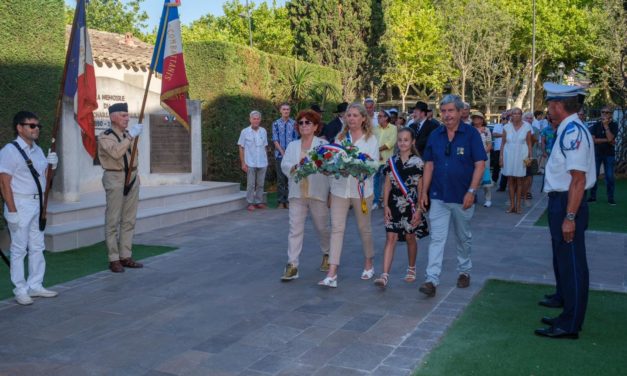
31 125
305 122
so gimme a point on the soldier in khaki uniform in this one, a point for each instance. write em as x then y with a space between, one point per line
114 152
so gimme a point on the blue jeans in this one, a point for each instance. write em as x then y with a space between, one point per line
608 167
441 215
379 180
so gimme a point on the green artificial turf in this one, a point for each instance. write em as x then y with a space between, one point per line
66 266
494 336
604 217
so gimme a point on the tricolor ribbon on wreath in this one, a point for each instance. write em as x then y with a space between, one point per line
361 182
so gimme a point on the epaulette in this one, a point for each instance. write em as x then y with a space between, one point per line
108 131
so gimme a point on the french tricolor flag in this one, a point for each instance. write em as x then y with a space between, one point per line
80 83
167 60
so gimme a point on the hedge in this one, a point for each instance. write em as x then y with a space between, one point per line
232 80
31 61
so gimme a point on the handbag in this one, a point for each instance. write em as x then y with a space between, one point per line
532 166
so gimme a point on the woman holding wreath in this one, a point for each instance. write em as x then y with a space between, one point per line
310 193
347 191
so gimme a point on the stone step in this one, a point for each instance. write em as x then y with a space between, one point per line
93 204
85 232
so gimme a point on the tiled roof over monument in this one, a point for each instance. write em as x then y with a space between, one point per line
117 49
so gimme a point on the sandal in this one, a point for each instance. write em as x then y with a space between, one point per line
367 274
382 281
410 276
329 282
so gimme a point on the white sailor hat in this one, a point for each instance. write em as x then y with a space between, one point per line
557 92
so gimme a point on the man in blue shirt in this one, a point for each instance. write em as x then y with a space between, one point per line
454 164
282 134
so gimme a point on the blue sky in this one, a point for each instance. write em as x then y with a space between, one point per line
189 11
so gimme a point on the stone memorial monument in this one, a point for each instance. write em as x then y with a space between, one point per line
170 156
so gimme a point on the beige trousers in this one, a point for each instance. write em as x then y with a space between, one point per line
120 214
298 214
339 212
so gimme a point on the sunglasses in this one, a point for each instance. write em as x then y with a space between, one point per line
31 125
305 122
447 149
606 112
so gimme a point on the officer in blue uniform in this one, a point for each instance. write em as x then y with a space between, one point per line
570 170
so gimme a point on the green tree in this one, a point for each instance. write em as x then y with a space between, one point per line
417 55
564 33
270 27
377 55
492 58
608 66
467 32
113 16
332 33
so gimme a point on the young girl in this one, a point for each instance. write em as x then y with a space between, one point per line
403 217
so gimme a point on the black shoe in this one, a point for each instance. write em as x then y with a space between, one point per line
551 303
592 199
428 289
555 332
611 202
550 321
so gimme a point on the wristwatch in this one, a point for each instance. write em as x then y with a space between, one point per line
570 216
471 190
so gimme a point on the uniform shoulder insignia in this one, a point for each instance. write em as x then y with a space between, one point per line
577 134
108 131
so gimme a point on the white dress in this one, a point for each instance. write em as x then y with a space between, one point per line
515 151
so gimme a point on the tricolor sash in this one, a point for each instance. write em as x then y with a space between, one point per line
401 183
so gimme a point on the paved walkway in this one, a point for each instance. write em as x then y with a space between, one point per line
216 305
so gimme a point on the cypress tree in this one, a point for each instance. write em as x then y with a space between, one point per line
332 33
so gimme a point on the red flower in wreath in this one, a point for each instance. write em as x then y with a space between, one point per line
328 155
318 163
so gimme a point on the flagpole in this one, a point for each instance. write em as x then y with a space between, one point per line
127 187
57 121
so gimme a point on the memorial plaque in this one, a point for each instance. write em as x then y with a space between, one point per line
170 145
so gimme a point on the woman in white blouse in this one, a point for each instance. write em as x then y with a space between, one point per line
310 193
344 193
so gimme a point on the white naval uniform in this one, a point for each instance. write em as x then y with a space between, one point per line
27 238
573 150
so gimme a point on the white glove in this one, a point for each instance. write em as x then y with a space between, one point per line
136 130
53 159
13 220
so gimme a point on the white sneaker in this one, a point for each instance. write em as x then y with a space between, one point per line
42 293
375 206
23 299
487 204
